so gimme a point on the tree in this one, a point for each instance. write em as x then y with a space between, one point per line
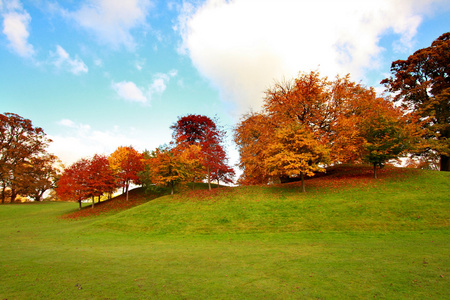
99 177
126 164
71 186
40 175
295 152
387 134
422 83
329 110
21 144
169 167
86 178
202 131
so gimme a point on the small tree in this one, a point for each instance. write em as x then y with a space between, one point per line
71 186
386 133
126 164
295 151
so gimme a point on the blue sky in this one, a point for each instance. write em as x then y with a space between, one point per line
98 74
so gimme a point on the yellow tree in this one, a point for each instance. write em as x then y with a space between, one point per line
295 152
126 164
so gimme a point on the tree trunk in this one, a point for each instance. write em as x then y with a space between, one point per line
303 183
13 195
209 178
445 163
375 171
126 187
79 206
3 194
171 188
93 200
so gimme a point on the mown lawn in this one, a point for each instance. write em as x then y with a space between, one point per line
348 237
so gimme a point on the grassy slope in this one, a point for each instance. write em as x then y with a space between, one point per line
347 237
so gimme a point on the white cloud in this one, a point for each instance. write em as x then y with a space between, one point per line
129 91
16 23
79 140
242 46
112 20
62 60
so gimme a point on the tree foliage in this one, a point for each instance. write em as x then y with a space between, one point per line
302 118
202 131
25 166
86 178
126 164
422 84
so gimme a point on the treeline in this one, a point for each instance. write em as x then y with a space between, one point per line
306 124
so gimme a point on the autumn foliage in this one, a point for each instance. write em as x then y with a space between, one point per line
311 122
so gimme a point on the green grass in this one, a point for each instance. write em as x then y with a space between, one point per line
346 238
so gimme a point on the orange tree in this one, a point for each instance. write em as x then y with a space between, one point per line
422 83
329 111
126 164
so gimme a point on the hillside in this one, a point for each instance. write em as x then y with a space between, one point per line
345 199
349 236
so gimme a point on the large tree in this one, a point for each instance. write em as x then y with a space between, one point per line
202 131
21 145
422 83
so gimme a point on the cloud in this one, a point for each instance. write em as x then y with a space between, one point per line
79 140
16 22
129 91
112 20
61 59
242 46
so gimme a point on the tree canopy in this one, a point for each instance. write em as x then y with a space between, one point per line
422 83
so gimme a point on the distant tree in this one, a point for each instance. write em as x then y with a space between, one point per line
99 177
202 131
169 167
422 83
21 145
126 164
72 185
387 134
40 175
295 152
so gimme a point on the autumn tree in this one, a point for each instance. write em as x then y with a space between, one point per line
331 112
126 164
387 132
39 176
295 152
202 131
422 83
169 167
99 178
72 186
22 144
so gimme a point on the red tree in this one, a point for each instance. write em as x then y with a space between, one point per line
100 177
71 185
202 131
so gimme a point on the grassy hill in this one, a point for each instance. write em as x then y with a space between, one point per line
349 236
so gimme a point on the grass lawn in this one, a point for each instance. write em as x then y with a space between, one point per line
349 236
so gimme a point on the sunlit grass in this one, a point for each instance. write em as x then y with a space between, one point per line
381 239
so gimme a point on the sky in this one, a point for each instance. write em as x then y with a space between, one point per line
99 74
